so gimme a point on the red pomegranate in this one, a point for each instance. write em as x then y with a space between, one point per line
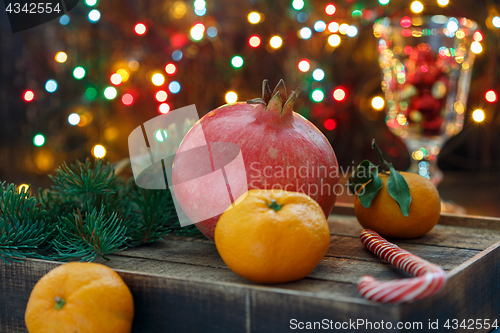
280 149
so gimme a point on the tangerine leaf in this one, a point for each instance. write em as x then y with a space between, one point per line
361 175
398 189
370 190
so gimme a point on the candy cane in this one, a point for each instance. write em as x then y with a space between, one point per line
429 278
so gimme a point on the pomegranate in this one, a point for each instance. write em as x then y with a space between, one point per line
280 149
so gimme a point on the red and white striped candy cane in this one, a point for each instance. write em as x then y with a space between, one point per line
429 278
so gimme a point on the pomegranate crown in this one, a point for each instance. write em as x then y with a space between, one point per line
278 99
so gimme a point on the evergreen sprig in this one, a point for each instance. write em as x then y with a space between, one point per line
88 212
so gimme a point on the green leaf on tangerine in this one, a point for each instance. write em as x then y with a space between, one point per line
361 175
398 189
370 190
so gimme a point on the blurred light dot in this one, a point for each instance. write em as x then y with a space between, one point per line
352 31
330 124
416 7
330 9
99 151
317 95
177 55
378 103
319 26
110 93
23 188
476 47
254 41
334 40
29 95
174 87
254 17
443 3
237 61
79 72
333 27
302 17
140 29
478 36
383 2
91 3
478 115
298 4
116 79
163 108
61 57
318 74
200 12
127 99
199 4
405 22
212 32
51 86
339 94
161 96
231 97
133 65
343 28
161 135
39 140
124 74
276 42
158 79
356 13
452 26
496 21
305 33
304 65
64 19
170 69
74 119
197 32
90 93
491 96
94 15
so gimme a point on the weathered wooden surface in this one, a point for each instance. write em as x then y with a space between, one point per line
182 285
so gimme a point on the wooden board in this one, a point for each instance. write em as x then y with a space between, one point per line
182 285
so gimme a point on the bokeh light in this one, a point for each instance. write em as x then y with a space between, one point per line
91 3
330 124
305 33
339 94
212 32
318 74
304 65
177 55
163 108
161 135
478 115
94 15
127 99
124 74
343 28
298 4
23 188
478 36
330 9
317 95
61 57
38 140
443 3
231 97
51 86
197 31
28 95
491 96
476 47
352 31
333 27
237 61
74 119
133 65
378 103
91 93
496 21
161 95
334 40
416 7
276 42
384 2
99 151
64 20
140 28
254 41
170 69
254 17
174 87
110 93
78 72
319 26
158 79
116 79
